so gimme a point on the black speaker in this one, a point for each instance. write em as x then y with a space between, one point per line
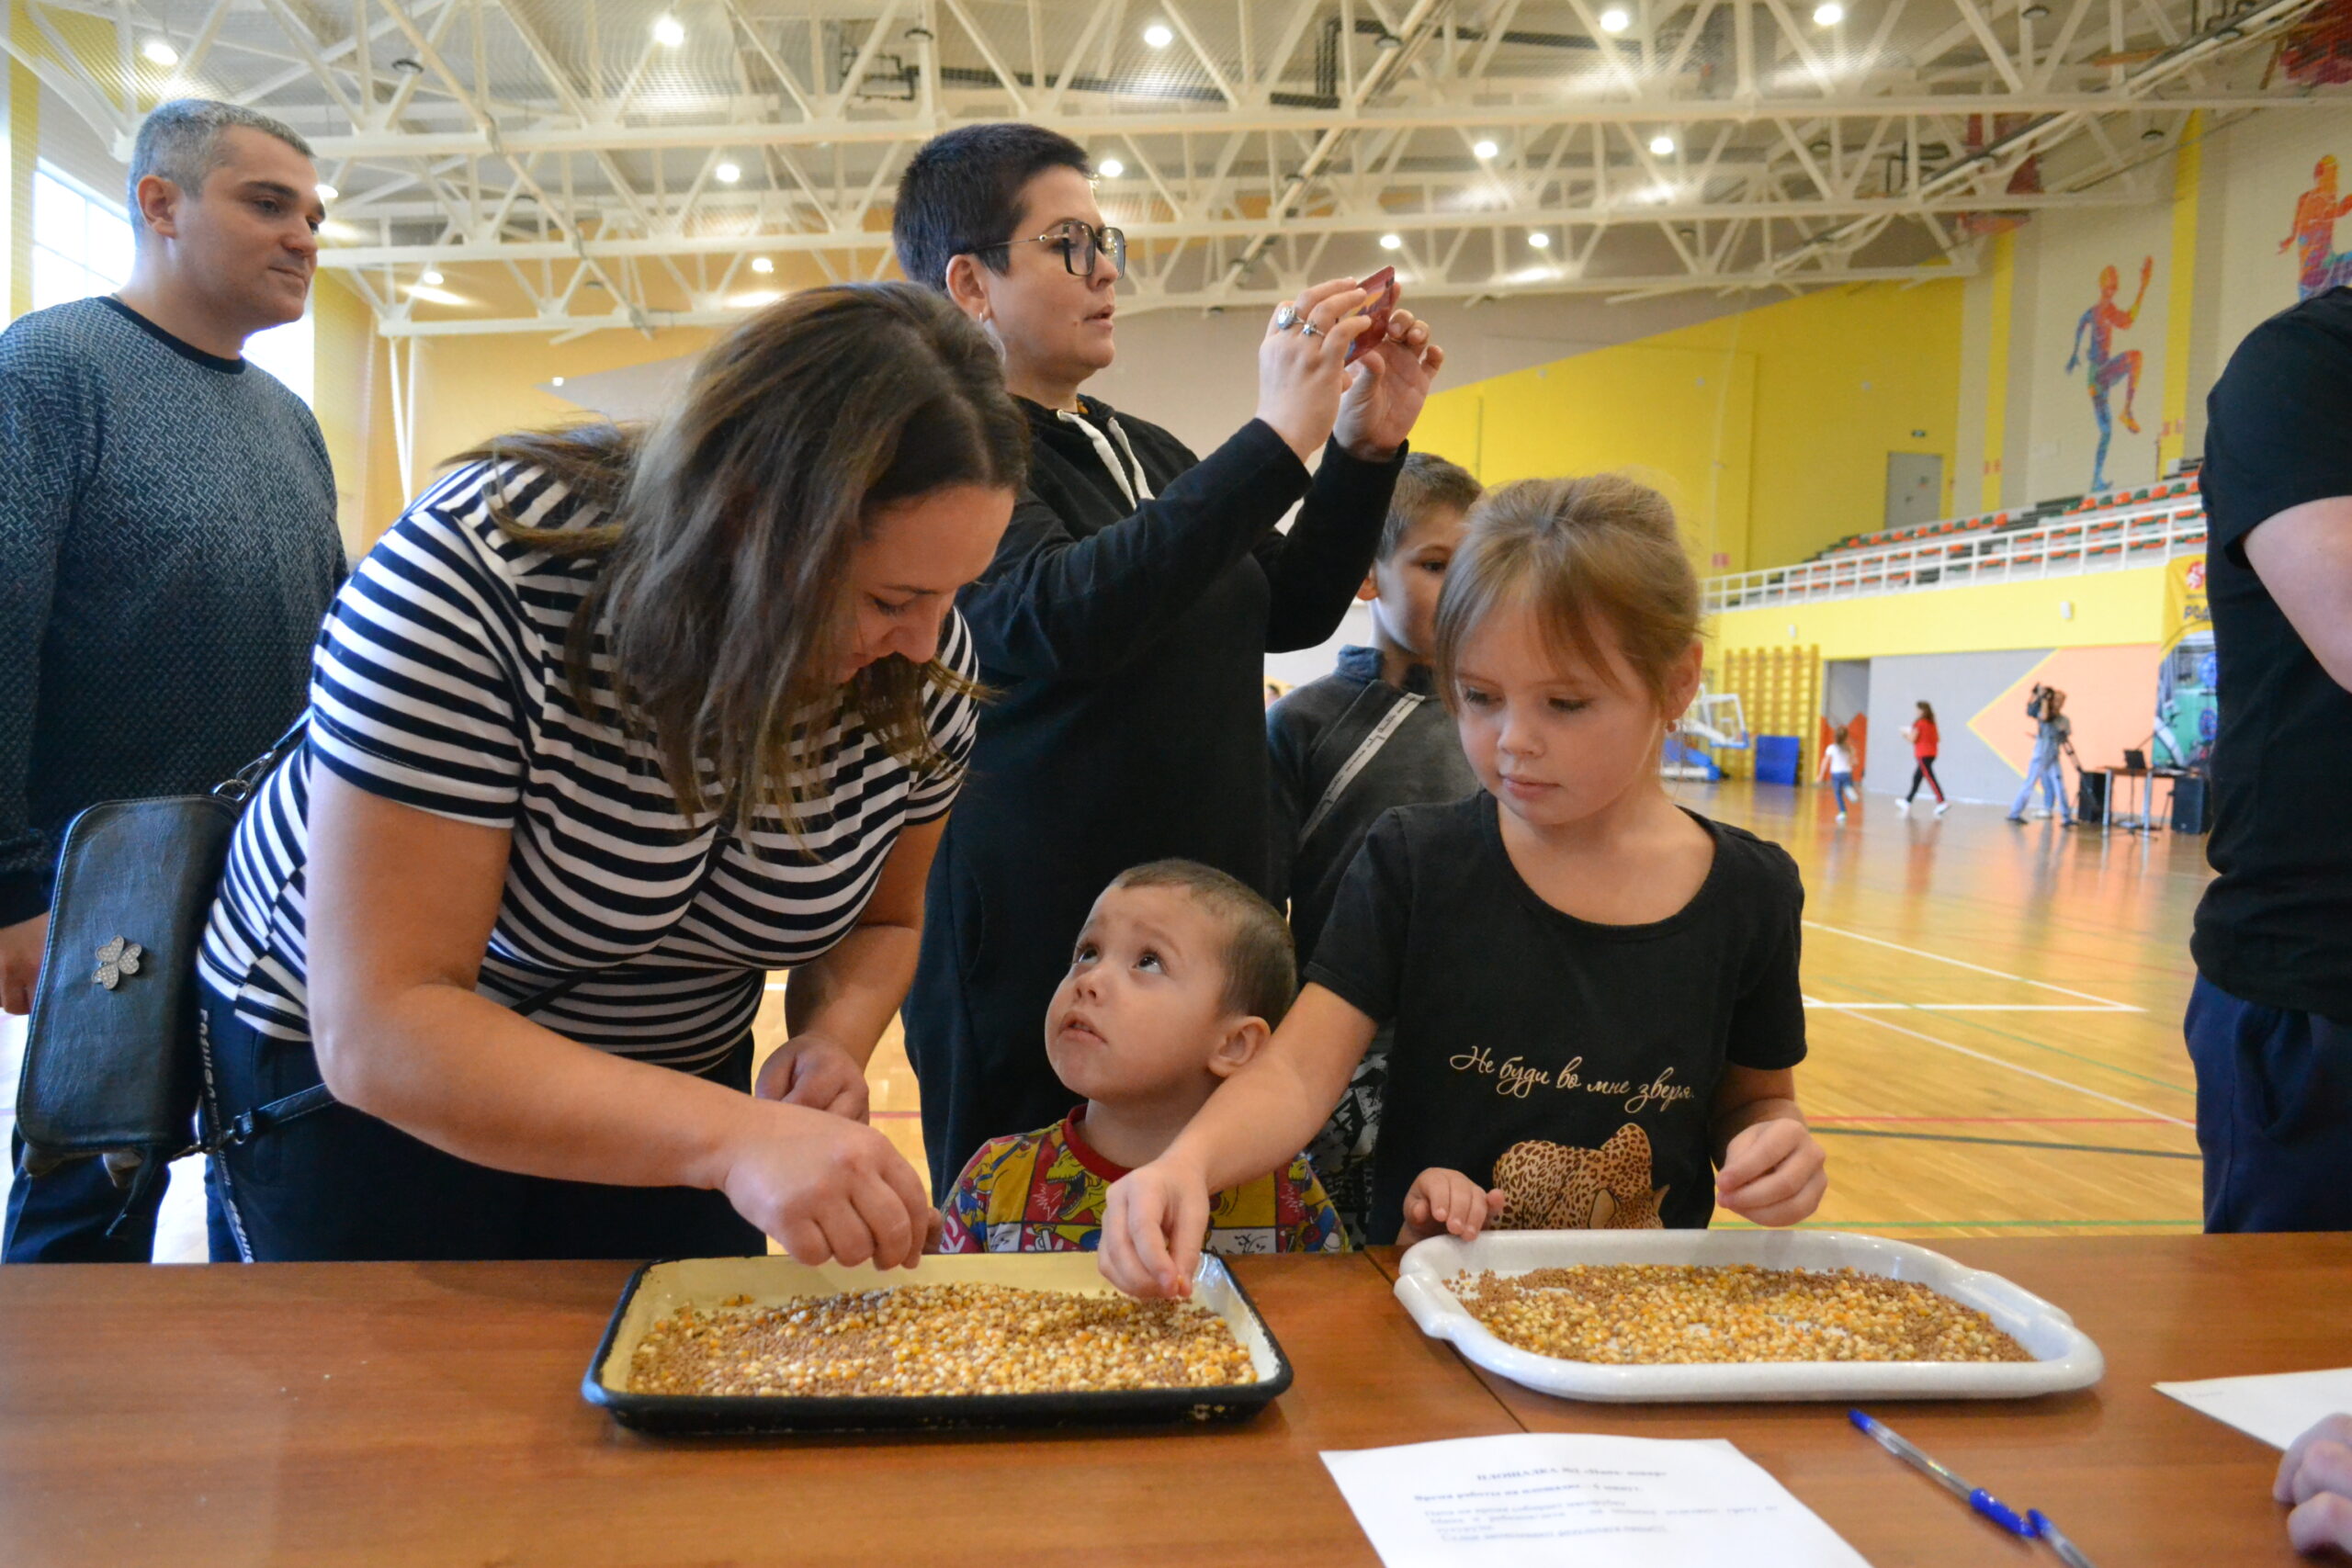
2192 805
2090 800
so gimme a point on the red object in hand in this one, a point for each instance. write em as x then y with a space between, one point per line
1382 286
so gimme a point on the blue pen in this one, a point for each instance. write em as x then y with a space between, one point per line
1977 1497
2068 1552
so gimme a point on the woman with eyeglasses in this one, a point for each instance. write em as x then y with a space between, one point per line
1124 623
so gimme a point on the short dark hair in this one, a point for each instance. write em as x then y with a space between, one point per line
1426 481
180 141
961 194
1260 965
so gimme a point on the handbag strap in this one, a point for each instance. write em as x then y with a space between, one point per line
240 786
247 1125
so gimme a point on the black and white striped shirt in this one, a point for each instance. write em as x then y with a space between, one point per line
439 683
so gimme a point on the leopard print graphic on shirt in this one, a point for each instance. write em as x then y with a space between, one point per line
1555 1187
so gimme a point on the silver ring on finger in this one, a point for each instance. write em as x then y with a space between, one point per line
1286 317
1312 330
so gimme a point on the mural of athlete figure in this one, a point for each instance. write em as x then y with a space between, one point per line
2322 265
2100 324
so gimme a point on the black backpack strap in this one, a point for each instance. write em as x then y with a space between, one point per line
247 1125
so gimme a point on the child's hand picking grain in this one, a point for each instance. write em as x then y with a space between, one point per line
1774 1172
1444 1201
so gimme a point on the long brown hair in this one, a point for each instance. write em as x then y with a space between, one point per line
722 599
1575 551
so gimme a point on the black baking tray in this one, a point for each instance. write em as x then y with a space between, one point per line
658 1288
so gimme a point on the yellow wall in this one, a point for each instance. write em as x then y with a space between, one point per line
2109 607
1769 430
468 389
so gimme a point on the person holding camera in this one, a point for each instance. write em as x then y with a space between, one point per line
2053 738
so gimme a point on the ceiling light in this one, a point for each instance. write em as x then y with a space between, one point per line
1662 145
1818 149
1110 168
1484 149
1158 35
2035 12
728 174
2154 133
756 299
327 192
668 30
430 278
413 67
555 381
1392 242
1828 14
158 52
1616 19
763 265
1388 40
1539 238
435 296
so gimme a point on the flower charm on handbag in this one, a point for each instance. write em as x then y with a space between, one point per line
116 959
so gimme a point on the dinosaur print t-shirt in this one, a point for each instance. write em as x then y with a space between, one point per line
1573 1065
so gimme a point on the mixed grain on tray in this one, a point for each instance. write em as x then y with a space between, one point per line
938 1339
1650 1314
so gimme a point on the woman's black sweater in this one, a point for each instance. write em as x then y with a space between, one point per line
1126 642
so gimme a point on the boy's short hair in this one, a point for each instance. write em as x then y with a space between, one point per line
961 195
180 141
1261 966
1425 481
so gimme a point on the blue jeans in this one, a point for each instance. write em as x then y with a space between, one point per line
62 1216
342 1186
1841 783
2274 1114
2046 773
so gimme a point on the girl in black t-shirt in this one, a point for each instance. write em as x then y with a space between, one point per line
1594 991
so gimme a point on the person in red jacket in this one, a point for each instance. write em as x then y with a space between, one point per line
1921 733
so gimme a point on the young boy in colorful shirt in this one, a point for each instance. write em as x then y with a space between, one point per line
1179 978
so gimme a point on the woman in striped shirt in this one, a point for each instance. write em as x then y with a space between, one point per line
608 725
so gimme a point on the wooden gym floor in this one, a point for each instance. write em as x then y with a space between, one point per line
1995 1018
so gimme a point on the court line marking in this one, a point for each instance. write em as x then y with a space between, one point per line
1979 968
2030 1042
2015 1067
1990 1121
2005 1142
1964 1007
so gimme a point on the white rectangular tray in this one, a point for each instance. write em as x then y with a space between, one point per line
2064 1357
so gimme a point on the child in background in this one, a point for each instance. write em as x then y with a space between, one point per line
1180 974
1837 767
1921 733
1364 737
1594 992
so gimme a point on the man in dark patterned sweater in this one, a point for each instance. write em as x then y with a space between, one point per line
167 547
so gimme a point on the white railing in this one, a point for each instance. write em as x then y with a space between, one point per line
2144 535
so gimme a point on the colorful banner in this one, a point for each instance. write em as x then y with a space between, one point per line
2185 611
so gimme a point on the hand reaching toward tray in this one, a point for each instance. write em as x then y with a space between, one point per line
831 1189
1153 1220
2316 1477
1774 1172
1443 1202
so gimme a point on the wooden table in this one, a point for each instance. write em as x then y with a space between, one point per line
2135 1479
430 1413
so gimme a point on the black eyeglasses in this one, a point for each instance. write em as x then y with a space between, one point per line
1081 245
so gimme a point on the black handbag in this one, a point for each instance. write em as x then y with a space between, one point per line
111 1070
